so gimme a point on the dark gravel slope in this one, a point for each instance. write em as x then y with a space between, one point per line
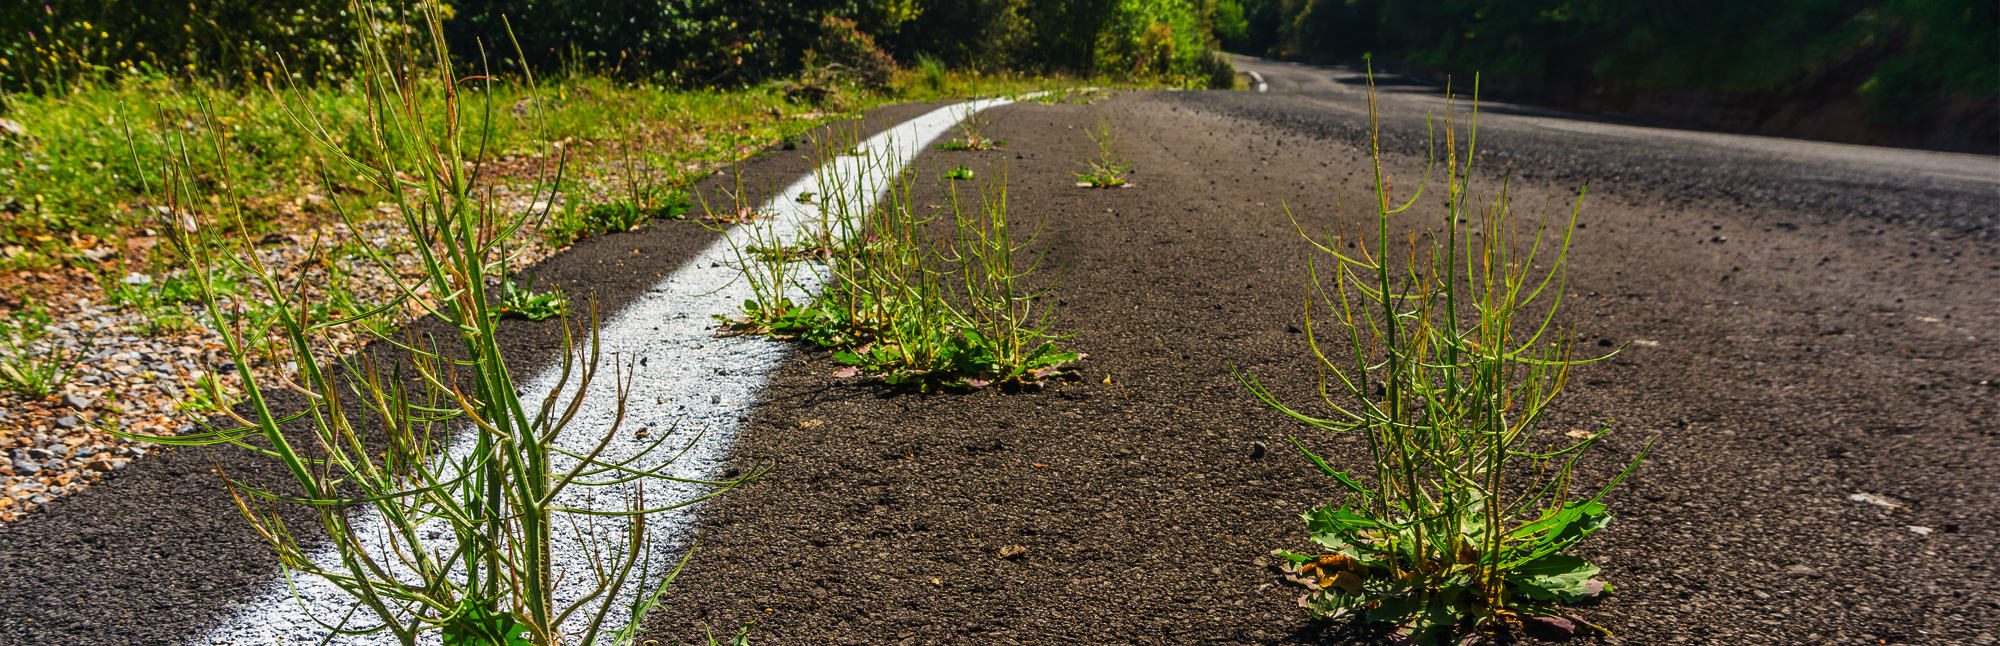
149 555
1786 358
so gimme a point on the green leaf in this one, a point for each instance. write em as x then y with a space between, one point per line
1343 522
1294 556
1558 577
482 625
1331 603
1393 609
1557 531
1329 470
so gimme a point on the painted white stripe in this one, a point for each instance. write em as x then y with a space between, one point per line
687 378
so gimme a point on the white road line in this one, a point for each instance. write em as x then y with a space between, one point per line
684 376
1259 78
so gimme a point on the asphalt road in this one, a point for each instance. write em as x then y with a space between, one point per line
1959 191
1803 322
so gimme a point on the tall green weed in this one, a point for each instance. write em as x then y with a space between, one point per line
1446 357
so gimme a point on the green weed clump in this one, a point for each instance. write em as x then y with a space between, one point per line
577 219
972 134
1462 517
520 300
1108 168
911 298
28 366
435 537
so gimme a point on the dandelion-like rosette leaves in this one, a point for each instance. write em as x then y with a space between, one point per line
1557 577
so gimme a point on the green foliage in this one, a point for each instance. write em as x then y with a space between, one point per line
1906 58
520 300
843 43
1219 72
578 218
972 134
484 625
689 43
207 395
161 299
1231 24
1450 361
899 307
960 172
58 45
28 367
683 43
75 173
1169 39
933 72
1108 168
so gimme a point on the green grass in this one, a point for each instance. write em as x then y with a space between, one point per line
520 300
28 367
1447 359
77 175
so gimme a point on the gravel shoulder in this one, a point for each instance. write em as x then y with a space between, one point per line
1786 356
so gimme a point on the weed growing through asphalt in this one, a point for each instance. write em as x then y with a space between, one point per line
428 535
972 133
29 365
1108 168
1461 521
1006 338
901 303
960 172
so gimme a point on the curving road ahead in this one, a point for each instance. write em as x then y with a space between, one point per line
1955 190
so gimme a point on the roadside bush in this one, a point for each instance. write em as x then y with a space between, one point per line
66 44
1166 39
842 43
1220 72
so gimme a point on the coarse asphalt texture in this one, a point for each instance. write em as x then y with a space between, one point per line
1801 322
1788 349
